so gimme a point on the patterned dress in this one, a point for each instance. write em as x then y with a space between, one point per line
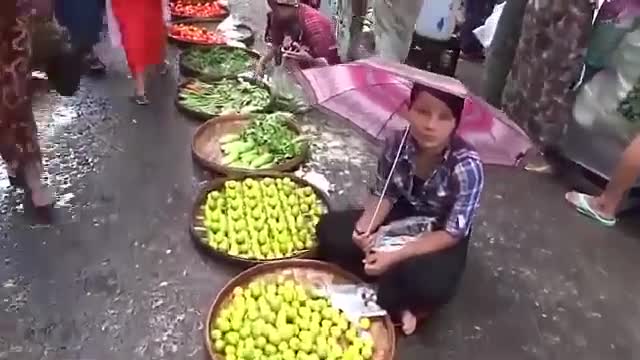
18 133
548 61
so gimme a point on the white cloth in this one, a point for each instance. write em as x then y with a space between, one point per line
437 19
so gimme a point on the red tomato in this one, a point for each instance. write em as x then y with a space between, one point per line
202 9
196 34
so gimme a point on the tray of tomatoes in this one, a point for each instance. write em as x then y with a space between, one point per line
202 32
183 9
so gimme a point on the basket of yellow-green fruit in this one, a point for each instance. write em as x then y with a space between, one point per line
278 311
258 218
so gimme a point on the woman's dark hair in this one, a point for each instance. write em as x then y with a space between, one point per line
455 103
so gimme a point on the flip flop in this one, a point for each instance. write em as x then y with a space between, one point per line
141 100
582 206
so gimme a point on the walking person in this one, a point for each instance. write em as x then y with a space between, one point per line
18 133
548 61
84 21
425 203
395 21
142 29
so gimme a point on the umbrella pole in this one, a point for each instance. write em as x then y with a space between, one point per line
388 180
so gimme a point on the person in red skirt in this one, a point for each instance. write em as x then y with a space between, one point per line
142 28
301 33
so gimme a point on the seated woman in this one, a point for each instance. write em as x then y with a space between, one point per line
426 208
305 33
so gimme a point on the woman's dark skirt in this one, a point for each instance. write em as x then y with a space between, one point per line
421 283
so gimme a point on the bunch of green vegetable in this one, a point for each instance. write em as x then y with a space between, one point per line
262 219
630 106
219 61
224 96
264 143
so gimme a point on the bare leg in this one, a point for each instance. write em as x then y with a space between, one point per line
624 177
140 96
41 196
140 86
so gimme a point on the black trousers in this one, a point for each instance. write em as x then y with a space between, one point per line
420 283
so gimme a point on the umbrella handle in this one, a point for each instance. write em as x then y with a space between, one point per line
386 184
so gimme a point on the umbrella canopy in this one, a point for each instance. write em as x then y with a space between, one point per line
372 94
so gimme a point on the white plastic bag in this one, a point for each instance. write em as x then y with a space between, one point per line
485 32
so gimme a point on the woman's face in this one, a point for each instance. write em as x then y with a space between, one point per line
432 122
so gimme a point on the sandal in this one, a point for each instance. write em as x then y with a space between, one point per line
97 67
141 100
164 68
581 204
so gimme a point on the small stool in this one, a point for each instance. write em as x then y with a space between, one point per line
433 55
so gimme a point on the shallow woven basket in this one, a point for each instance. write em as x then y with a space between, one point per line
206 146
202 116
189 71
310 271
197 214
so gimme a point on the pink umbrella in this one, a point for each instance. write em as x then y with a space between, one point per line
371 94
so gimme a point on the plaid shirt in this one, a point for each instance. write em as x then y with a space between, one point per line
315 32
447 200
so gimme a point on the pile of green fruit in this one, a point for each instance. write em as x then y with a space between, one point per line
264 143
280 319
262 219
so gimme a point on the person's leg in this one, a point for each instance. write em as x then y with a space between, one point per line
140 95
420 284
475 11
502 51
26 157
624 177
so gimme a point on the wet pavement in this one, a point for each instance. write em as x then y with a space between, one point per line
116 276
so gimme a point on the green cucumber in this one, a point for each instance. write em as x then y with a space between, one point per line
262 160
229 158
248 157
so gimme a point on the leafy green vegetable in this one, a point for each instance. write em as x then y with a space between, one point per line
272 132
285 104
223 96
266 142
630 106
219 61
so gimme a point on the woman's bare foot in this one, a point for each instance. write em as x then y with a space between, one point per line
599 204
409 322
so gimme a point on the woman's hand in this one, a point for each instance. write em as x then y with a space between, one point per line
299 55
378 262
364 240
